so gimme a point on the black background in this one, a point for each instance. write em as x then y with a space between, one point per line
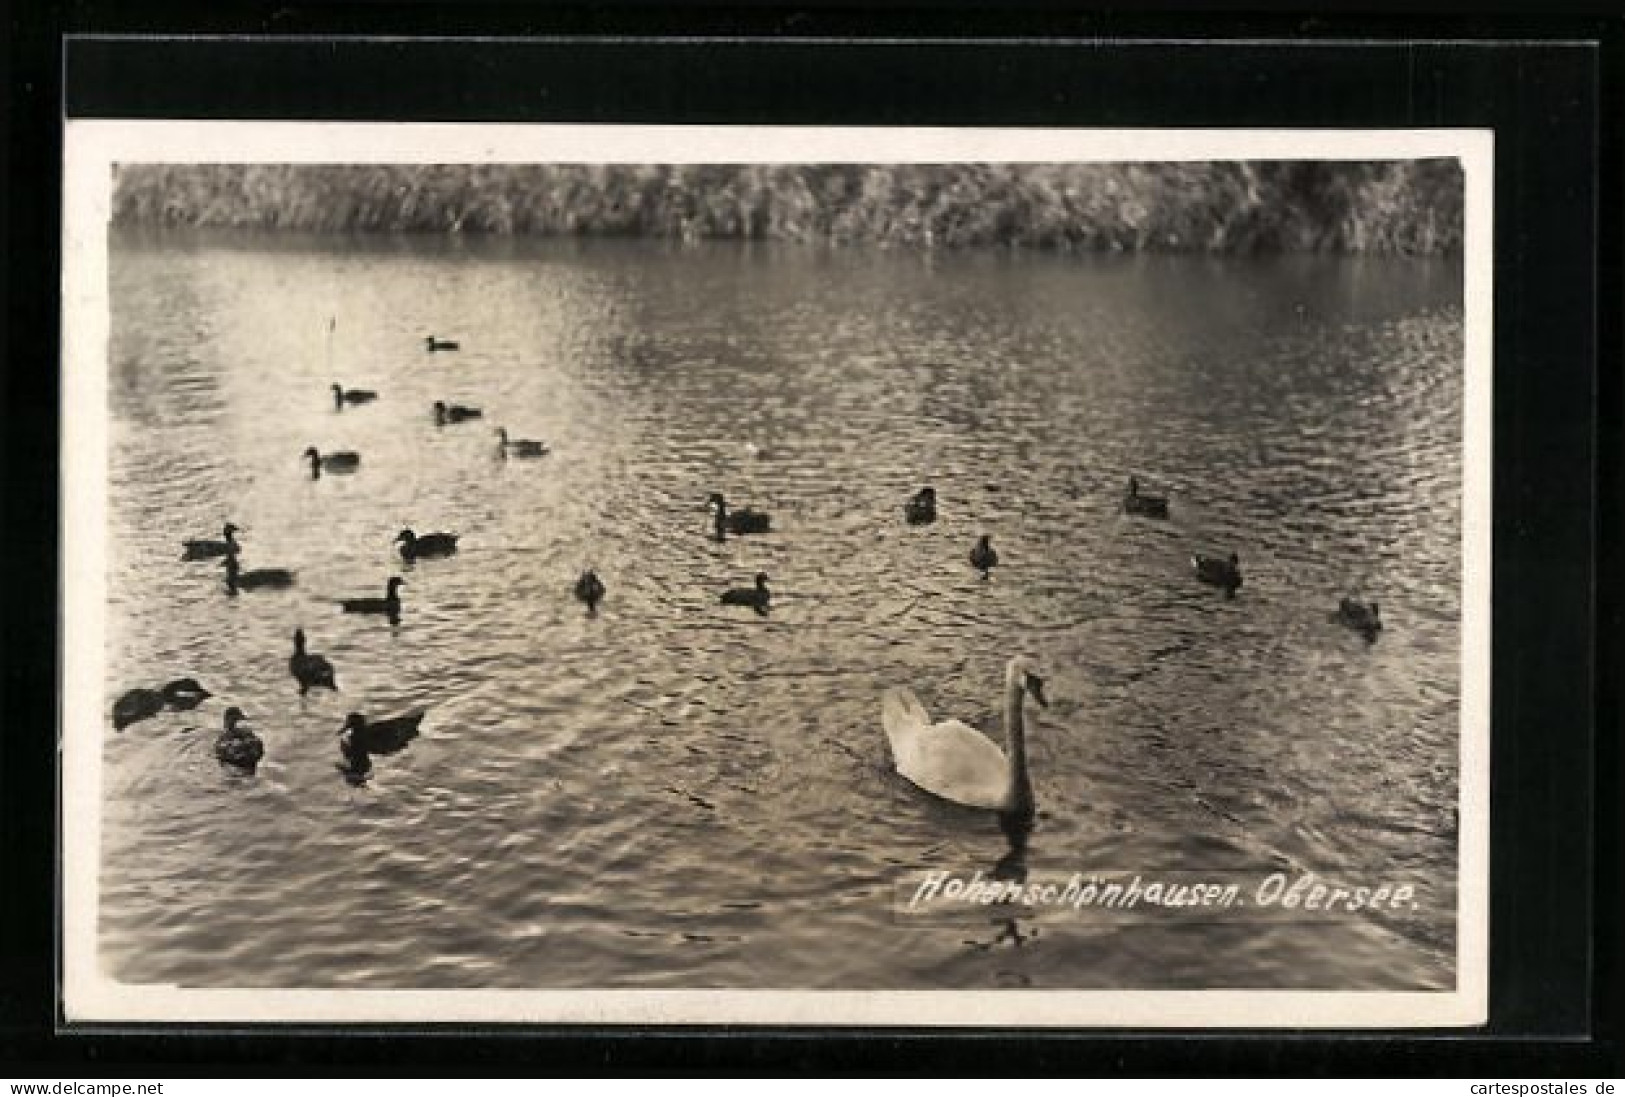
1553 100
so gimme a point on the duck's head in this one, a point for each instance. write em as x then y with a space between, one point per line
985 541
353 722
395 584
761 580
715 499
338 389
234 716
299 639
406 535
439 409
1235 560
928 494
1025 672
502 434
1133 485
230 532
310 454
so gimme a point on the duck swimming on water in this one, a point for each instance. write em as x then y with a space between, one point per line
208 550
238 746
431 344
1146 506
414 547
343 461
921 509
308 668
360 739
743 520
519 447
255 579
1219 572
342 396
757 598
982 556
389 604
1362 617
181 695
453 413
589 589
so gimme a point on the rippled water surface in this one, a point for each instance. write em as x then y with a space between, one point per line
677 793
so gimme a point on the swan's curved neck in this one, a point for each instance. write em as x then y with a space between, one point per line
1020 797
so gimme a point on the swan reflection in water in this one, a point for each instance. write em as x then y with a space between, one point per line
1006 914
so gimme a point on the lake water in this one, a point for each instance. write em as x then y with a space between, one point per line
676 793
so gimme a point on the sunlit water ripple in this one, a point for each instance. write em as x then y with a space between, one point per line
673 793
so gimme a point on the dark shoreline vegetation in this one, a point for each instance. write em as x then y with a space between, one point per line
1410 207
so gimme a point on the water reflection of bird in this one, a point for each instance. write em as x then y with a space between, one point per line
204 549
342 396
1146 506
414 547
953 760
454 413
921 509
743 520
341 462
589 589
1361 617
311 670
982 557
255 578
389 604
1219 572
180 695
519 447
237 746
757 597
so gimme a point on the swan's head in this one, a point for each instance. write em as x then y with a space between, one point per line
1024 672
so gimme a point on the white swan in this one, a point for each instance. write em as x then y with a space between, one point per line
955 761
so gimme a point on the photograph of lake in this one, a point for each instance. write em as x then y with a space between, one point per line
792 576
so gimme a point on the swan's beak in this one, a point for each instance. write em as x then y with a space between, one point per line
1035 686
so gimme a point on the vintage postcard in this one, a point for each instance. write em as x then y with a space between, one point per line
693 575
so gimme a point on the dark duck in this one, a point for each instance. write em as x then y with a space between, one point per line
453 413
312 671
589 590
743 520
238 746
757 597
180 695
343 396
360 739
1223 572
982 557
1362 617
415 548
519 447
921 509
431 344
255 578
1146 506
389 604
208 550
343 461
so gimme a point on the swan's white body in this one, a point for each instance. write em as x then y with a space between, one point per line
953 760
